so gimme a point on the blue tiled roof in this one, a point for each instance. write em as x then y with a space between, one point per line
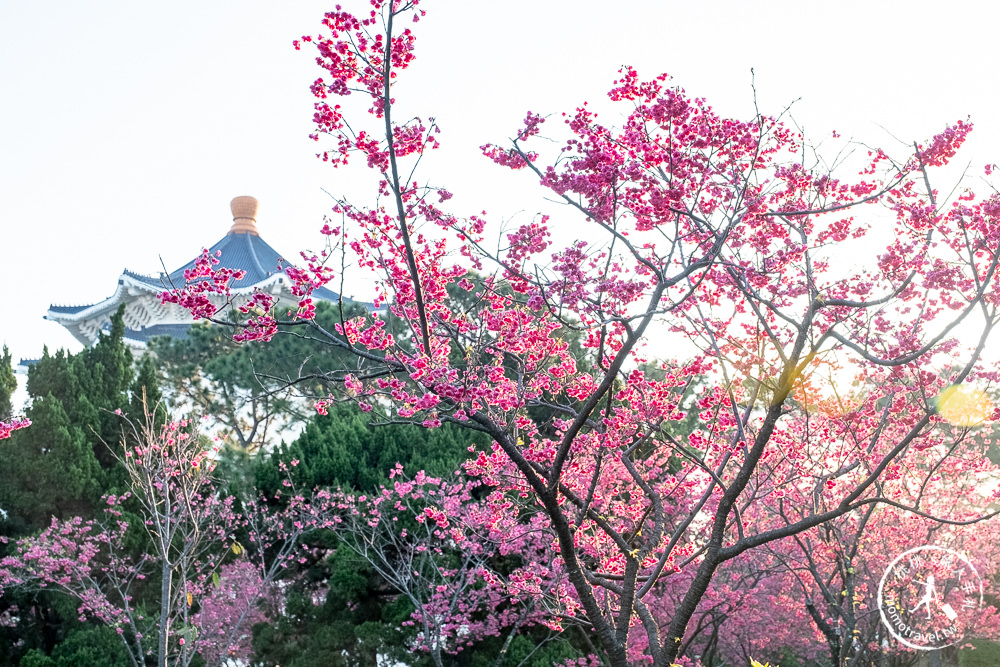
68 309
239 250
330 295
247 252
143 335
157 282
23 365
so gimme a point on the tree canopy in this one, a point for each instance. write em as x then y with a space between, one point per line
497 470
733 234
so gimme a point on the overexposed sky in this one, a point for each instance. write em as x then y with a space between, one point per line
127 126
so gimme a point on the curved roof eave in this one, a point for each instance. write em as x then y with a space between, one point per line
87 312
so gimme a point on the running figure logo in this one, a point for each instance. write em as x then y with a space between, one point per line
930 593
942 585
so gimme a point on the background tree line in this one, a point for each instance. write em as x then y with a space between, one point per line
337 610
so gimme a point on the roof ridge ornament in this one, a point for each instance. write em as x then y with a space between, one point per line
244 215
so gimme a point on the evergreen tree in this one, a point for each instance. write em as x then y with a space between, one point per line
86 646
244 388
340 612
8 384
345 449
60 467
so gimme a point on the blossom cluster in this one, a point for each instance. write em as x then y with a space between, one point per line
6 428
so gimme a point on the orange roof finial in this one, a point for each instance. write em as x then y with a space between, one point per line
244 215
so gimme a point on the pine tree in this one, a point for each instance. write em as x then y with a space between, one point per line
239 386
8 384
344 449
60 466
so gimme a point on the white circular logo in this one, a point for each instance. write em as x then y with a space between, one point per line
928 597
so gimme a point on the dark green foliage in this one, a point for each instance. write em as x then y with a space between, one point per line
357 619
86 646
146 394
534 647
34 622
35 658
359 615
61 465
344 449
981 653
362 617
49 470
243 386
91 646
8 383
48 634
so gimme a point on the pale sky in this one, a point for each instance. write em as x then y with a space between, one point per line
126 126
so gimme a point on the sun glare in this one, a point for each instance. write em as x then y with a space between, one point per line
964 405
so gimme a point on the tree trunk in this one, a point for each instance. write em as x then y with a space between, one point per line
945 657
161 659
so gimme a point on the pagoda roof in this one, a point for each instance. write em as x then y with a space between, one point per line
241 249
67 309
145 333
249 253
236 250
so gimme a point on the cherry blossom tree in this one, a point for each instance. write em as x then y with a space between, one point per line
8 383
238 599
440 548
820 586
211 587
936 495
834 573
731 237
750 611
